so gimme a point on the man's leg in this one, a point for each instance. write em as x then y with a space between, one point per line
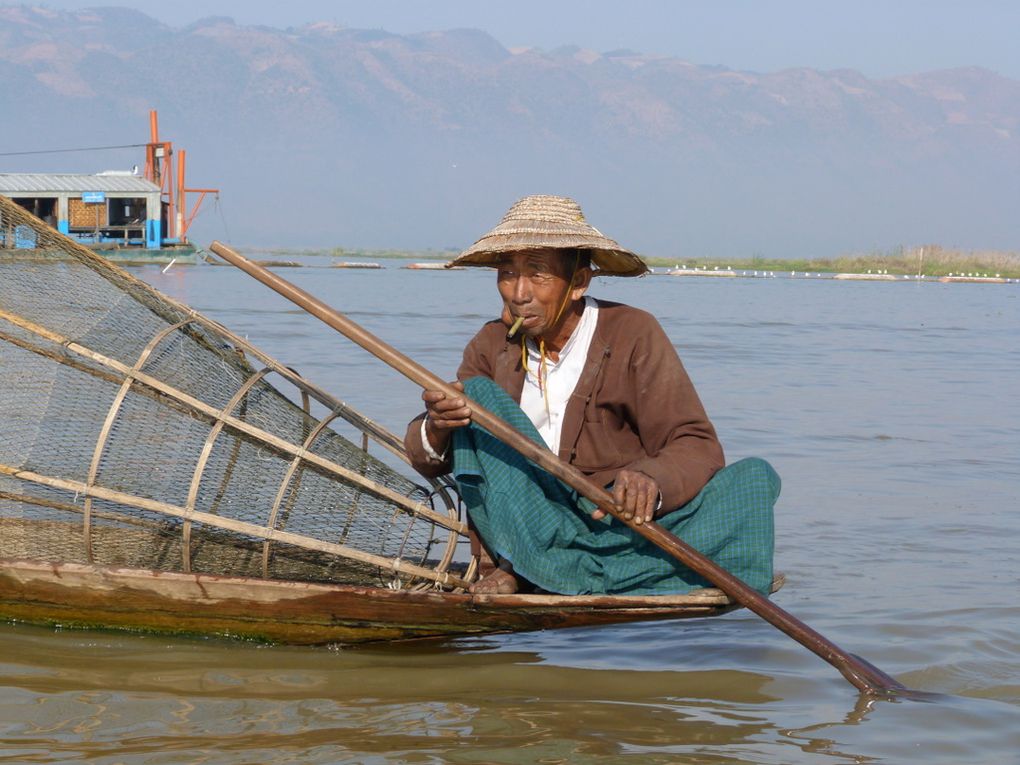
493 578
531 519
523 515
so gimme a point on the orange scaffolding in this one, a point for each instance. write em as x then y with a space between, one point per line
159 168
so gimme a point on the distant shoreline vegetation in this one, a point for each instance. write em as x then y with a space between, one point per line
929 260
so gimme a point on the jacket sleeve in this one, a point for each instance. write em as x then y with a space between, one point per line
682 451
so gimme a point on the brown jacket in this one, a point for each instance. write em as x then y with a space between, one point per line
634 405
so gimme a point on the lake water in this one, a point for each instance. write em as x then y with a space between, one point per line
890 411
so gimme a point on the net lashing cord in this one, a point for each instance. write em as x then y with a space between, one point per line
137 432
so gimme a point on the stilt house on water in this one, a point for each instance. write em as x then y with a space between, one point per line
127 215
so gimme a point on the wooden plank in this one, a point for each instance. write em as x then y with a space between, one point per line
304 613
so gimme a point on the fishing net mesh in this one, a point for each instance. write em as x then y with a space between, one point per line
135 432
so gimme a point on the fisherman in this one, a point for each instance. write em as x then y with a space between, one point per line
601 385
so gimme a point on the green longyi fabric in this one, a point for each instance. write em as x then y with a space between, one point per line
545 529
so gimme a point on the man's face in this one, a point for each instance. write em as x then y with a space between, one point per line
535 284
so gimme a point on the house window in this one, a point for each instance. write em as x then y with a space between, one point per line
44 208
129 211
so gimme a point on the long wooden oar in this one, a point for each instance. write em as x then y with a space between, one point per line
865 676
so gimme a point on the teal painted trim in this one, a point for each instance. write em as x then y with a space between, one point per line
63 227
153 234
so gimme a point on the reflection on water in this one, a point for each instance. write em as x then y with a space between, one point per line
117 698
886 408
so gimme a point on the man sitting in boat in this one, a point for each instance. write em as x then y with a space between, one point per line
601 385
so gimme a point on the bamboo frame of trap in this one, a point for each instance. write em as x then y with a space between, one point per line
133 378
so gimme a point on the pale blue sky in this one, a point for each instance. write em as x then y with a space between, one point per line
877 37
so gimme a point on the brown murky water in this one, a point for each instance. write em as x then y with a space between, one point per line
888 409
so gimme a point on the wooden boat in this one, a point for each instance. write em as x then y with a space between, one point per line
153 478
306 613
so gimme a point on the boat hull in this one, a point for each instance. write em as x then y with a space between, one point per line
300 613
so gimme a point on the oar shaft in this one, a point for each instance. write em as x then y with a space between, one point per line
860 673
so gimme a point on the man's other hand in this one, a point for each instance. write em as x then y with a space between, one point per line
636 494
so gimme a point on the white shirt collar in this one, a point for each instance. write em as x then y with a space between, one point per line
558 379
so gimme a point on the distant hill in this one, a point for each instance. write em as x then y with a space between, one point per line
322 135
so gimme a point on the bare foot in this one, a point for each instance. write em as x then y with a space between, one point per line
496 582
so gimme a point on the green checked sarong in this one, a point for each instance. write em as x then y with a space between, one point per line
545 528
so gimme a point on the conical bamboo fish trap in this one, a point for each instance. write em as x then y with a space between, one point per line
135 432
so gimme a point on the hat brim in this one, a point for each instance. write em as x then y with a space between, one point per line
607 257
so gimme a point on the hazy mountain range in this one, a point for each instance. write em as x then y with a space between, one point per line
323 136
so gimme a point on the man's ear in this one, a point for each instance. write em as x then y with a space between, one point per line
579 283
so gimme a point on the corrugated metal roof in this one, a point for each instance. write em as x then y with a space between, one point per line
67 182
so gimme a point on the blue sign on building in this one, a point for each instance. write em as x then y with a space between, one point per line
93 197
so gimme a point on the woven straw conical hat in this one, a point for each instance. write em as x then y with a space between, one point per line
542 221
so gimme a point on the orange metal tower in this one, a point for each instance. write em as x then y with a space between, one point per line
159 168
